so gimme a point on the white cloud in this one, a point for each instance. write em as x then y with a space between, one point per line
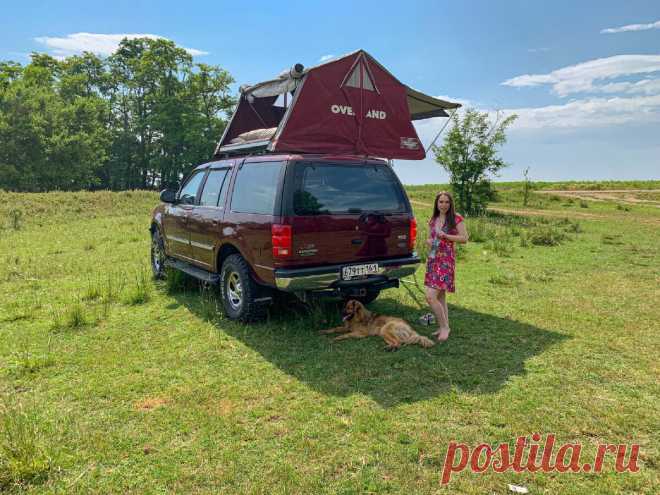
537 50
101 44
645 86
581 77
632 27
195 52
576 114
325 58
590 112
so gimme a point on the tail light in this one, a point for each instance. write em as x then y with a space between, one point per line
412 235
282 240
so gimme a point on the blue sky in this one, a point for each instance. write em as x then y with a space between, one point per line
583 76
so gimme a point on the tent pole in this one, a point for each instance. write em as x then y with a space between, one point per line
438 134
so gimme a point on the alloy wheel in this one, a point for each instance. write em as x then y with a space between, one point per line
234 290
157 255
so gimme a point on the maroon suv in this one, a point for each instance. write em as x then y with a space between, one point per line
337 225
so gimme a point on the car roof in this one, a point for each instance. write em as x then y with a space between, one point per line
230 162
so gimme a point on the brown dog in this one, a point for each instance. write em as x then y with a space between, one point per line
360 322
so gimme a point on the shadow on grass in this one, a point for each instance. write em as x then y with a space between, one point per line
483 352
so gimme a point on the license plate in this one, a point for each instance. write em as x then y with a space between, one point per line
349 272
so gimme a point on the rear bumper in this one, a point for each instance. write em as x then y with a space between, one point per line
329 276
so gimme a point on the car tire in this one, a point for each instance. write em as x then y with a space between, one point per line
239 291
157 255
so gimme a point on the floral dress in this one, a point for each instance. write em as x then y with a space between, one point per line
440 268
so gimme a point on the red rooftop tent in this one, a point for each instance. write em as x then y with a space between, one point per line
351 105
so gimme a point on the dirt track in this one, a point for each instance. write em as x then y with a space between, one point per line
619 195
574 214
559 214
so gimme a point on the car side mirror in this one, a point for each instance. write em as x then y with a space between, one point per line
168 196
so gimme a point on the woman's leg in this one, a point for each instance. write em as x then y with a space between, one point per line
437 308
444 326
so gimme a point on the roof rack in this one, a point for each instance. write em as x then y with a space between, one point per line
255 147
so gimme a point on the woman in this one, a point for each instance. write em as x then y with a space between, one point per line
445 228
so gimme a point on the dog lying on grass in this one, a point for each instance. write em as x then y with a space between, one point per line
360 322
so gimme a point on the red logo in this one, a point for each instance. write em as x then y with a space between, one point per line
536 458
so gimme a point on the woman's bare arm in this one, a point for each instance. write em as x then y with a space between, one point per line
462 236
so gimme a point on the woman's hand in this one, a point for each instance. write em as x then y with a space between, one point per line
429 242
442 235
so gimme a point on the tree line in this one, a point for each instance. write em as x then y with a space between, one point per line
139 118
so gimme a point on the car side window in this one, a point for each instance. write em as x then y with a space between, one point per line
189 192
213 188
255 189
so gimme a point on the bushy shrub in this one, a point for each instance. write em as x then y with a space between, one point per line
574 227
546 236
500 246
480 230
524 239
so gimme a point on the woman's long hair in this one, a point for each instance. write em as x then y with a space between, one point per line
450 217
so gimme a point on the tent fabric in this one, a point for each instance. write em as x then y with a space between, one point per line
349 105
424 106
260 113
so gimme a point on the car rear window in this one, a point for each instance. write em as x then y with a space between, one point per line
346 188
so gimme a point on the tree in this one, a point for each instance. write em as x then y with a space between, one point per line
167 111
469 154
46 141
140 118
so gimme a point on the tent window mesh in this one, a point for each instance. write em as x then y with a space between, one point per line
353 80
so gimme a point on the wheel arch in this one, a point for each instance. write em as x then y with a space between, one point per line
225 250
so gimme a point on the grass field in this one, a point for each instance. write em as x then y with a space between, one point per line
112 383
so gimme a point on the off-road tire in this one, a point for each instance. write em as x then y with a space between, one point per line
239 291
157 255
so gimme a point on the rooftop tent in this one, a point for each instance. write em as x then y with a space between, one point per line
350 105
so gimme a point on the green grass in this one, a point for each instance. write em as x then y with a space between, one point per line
114 383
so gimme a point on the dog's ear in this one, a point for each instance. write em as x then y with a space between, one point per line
358 309
348 306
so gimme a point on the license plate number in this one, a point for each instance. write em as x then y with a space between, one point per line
349 272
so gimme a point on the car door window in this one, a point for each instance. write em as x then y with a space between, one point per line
256 188
213 188
189 192
223 191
